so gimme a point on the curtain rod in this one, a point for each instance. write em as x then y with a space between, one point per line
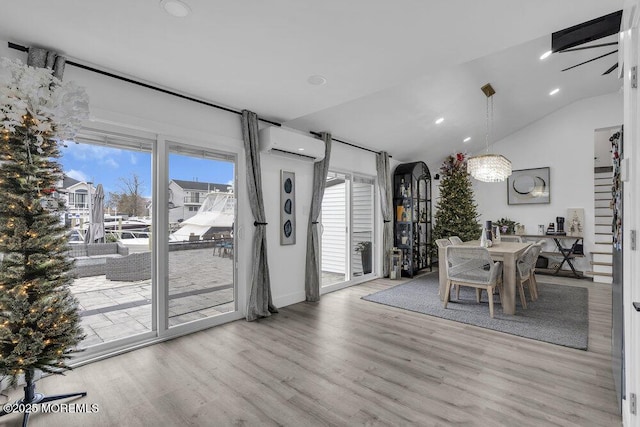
347 143
179 95
146 85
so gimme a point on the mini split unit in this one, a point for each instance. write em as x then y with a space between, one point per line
284 142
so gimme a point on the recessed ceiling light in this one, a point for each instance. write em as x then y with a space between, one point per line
440 120
545 55
467 139
176 8
300 149
553 92
317 80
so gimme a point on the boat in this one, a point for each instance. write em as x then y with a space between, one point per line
215 215
135 240
112 223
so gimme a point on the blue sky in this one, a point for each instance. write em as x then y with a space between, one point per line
105 165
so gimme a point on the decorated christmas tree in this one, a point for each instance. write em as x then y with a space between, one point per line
39 320
456 211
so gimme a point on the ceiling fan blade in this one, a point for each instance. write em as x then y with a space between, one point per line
588 47
613 67
591 60
586 32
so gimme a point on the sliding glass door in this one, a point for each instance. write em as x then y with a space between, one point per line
347 225
362 214
334 226
201 213
162 263
112 267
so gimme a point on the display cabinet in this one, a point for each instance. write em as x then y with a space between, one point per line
412 216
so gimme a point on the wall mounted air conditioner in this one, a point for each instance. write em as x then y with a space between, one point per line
285 142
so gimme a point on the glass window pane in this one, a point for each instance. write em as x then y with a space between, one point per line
334 230
112 284
201 212
362 219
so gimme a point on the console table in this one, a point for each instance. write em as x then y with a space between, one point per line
566 252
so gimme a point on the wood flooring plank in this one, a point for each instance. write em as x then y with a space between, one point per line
345 361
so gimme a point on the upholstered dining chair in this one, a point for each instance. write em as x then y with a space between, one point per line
540 244
510 238
455 240
441 244
472 266
525 266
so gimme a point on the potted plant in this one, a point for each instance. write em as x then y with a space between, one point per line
506 225
365 254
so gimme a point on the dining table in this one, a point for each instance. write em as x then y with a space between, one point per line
505 252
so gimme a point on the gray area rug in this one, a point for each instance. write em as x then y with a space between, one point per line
559 316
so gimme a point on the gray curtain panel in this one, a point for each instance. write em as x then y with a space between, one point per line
312 272
42 58
384 186
260 303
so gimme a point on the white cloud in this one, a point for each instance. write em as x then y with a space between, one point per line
88 151
109 161
76 174
133 159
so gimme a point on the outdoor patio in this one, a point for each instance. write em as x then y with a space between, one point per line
200 285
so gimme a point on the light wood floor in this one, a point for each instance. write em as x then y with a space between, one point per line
348 362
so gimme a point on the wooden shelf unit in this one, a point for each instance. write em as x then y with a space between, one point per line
567 254
412 216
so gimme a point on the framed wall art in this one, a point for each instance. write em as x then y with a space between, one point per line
574 222
287 208
529 186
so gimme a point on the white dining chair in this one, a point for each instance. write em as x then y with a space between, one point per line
525 266
455 240
472 266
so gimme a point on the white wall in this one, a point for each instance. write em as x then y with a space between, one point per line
563 141
286 263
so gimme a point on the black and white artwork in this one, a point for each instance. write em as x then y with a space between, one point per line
529 186
287 208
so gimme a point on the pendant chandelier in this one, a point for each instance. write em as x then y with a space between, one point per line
489 167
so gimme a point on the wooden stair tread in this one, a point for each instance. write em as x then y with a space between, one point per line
598 273
601 253
607 264
558 254
564 273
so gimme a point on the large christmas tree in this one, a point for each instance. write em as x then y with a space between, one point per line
39 321
456 212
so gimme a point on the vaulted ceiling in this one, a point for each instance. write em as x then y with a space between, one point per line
391 67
